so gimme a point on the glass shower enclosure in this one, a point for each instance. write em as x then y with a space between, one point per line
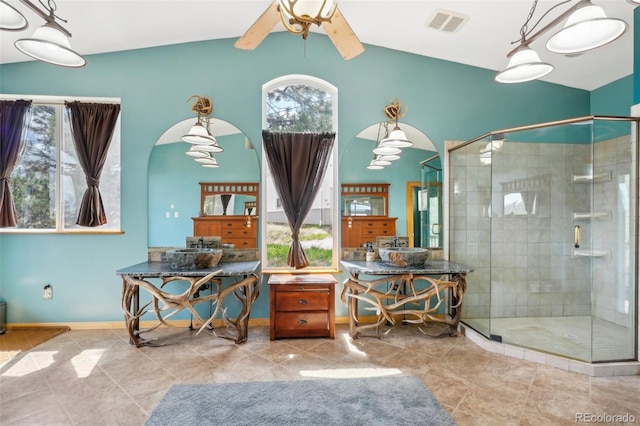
547 216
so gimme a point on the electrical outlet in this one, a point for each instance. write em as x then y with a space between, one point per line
175 214
167 215
47 292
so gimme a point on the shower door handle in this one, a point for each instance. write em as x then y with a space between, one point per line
576 236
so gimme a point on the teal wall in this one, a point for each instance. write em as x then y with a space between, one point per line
446 100
615 98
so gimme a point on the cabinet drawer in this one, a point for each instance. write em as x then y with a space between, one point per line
302 300
241 242
373 232
378 224
239 232
301 321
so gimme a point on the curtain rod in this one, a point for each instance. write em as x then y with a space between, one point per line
58 99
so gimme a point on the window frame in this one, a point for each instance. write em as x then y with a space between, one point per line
58 102
303 79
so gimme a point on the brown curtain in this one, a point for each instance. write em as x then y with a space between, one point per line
297 162
225 198
13 116
92 127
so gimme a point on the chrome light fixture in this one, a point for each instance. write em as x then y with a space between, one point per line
50 42
397 138
11 19
200 134
298 15
587 27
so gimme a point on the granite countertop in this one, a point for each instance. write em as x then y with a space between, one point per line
162 269
430 267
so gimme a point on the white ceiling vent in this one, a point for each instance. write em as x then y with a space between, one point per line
446 21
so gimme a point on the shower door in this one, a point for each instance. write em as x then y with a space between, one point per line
547 219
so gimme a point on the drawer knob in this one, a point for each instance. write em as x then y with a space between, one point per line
302 302
301 322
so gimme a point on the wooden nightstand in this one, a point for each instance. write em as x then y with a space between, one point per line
302 305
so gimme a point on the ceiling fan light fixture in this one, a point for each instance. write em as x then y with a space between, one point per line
586 28
297 15
524 65
50 44
11 19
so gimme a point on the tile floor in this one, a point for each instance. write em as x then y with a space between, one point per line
94 377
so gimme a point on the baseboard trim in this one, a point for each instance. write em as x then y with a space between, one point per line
117 325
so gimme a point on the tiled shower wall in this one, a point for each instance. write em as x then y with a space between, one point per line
525 265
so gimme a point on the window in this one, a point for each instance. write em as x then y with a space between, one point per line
48 183
299 103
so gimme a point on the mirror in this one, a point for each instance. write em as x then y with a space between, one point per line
365 199
174 197
229 198
355 205
400 174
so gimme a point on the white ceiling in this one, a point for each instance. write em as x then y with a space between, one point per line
111 25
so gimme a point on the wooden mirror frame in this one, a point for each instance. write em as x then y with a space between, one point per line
367 189
219 188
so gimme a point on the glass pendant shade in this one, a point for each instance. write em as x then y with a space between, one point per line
386 150
212 165
378 162
214 147
587 28
293 12
199 135
374 167
195 153
49 44
524 65
206 160
396 139
389 157
11 19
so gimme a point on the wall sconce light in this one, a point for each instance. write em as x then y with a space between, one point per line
207 161
587 27
397 138
200 133
49 43
248 222
350 222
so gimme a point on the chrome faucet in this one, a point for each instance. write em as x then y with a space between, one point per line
201 243
394 242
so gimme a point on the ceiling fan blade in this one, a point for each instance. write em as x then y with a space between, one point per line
342 36
260 29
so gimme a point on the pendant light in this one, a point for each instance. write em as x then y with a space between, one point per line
49 43
524 65
587 27
11 19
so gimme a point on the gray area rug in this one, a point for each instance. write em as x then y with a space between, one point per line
400 400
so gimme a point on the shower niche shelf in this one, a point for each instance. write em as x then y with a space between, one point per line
592 178
606 254
602 215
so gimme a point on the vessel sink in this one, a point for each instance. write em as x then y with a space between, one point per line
193 258
404 256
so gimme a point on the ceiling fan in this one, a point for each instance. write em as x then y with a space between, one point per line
297 17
